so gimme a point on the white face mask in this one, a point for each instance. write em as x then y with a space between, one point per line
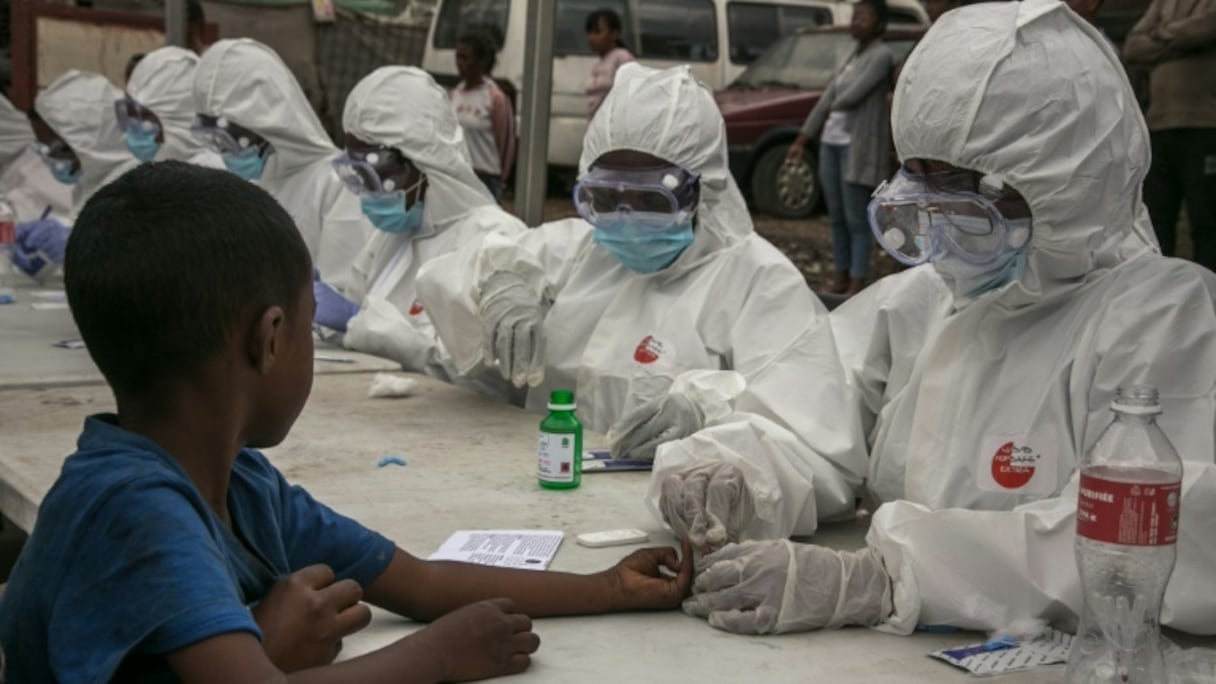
969 281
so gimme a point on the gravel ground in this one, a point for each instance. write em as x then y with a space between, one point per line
807 243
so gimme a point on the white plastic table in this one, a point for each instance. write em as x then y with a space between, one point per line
470 465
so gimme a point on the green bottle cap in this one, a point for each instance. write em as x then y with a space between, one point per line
561 400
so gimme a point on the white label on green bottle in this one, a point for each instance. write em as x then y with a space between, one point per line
556 462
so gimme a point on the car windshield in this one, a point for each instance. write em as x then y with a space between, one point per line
806 61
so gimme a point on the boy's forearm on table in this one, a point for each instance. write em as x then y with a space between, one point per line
427 590
408 661
538 594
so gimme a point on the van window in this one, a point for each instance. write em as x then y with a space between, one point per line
807 62
684 30
570 24
462 16
753 28
794 19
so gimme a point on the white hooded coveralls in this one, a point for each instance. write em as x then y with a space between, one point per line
79 107
163 82
731 324
247 83
24 178
1030 91
457 211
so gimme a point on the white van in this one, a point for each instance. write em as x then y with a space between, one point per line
718 38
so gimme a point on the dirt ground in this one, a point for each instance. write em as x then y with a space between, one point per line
807 243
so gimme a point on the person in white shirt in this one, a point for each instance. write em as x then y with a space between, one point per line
484 112
604 37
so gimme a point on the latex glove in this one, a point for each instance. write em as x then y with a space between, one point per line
333 310
709 504
513 318
46 237
30 264
776 586
642 430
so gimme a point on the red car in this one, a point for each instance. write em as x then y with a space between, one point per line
766 106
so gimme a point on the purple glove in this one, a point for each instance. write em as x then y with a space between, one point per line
47 237
333 310
32 265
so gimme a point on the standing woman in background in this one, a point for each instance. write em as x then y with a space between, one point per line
855 145
604 37
484 112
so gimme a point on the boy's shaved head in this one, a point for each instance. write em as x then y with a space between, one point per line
165 264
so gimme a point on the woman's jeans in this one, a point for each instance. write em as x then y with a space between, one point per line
847 203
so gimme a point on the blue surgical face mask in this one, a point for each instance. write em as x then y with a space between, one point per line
249 163
640 245
142 143
386 211
969 281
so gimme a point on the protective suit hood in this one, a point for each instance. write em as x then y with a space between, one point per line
668 114
163 82
1008 105
247 83
15 132
403 107
79 107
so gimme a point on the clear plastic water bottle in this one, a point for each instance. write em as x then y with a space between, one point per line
1127 526
8 240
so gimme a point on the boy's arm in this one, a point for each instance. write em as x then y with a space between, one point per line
426 590
238 658
483 640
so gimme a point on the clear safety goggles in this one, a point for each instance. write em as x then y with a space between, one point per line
604 196
374 172
915 217
222 136
57 156
132 116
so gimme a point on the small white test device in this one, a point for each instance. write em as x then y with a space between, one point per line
596 540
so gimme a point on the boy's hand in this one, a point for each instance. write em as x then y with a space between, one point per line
305 616
640 583
483 640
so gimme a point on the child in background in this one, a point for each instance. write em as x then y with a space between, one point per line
604 37
484 112
169 546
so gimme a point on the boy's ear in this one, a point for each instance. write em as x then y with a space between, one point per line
266 338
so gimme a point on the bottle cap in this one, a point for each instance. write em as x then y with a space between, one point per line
562 400
1138 400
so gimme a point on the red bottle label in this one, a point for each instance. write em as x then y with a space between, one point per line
1128 513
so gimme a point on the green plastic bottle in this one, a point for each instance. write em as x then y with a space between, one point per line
560 462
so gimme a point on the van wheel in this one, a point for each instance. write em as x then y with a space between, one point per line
785 191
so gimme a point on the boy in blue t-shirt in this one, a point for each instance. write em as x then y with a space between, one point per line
170 548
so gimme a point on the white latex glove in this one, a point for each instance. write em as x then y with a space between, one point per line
670 416
777 586
512 317
708 503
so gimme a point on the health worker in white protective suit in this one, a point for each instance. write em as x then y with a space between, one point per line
157 111
81 146
407 162
1023 157
24 179
663 309
252 111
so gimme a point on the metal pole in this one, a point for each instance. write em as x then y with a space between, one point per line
175 22
532 169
